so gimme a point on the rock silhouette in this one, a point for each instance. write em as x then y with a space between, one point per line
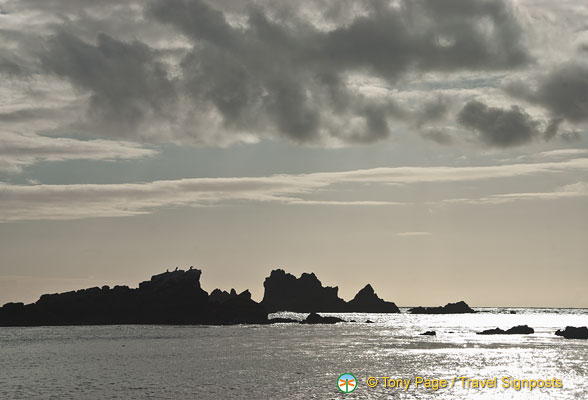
429 333
285 292
168 298
460 307
239 309
515 330
176 297
572 332
314 318
366 300
220 296
283 321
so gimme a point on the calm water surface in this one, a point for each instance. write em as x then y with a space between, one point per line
294 361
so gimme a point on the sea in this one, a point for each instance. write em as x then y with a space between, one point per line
294 361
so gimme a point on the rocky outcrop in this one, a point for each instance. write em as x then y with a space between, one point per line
168 298
515 330
285 292
429 333
220 296
314 318
572 332
239 309
367 301
460 307
280 320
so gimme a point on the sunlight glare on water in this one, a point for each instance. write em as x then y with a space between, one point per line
295 361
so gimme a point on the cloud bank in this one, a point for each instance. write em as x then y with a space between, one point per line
326 73
77 201
19 150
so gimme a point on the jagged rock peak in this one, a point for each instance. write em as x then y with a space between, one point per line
285 292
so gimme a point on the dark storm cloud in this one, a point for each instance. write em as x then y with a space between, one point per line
563 91
263 69
293 74
127 85
503 127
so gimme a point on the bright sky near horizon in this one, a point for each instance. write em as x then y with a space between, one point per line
437 149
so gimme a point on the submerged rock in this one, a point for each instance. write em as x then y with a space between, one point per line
460 307
572 332
515 330
315 318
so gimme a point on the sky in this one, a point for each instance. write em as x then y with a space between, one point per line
437 149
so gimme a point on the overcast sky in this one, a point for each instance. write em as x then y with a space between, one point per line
435 149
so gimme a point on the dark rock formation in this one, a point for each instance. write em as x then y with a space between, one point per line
285 292
572 332
220 296
429 333
169 298
239 309
515 330
282 321
451 308
366 300
314 318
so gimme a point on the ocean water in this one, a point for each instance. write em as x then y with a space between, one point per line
292 361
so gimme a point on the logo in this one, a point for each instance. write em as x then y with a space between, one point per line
346 383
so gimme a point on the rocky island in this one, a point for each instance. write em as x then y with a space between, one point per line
285 292
515 330
460 307
168 298
176 298
572 332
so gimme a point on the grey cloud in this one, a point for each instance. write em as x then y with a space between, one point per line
500 127
28 114
429 35
260 69
128 85
291 74
10 67
563 91
434 109
438 135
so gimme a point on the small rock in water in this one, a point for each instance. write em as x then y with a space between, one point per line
572 332
314 318
515 330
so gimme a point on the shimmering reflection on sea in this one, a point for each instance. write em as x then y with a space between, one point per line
294 361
